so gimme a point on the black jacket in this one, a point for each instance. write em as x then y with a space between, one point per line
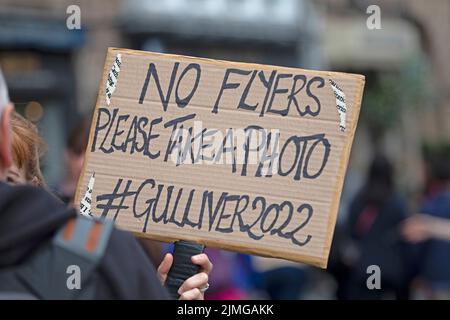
29 218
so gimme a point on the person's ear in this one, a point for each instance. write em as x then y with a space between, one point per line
5 138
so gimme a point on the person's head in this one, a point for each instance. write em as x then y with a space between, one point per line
76 147
380 180
74 157
440 167
381 171
27 148
6 109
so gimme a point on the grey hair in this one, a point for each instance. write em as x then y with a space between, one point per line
4 96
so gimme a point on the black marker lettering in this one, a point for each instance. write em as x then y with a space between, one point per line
226 85
152 71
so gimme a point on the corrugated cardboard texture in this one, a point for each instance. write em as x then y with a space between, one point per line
281 216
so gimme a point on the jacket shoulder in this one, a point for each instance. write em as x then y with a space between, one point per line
127 271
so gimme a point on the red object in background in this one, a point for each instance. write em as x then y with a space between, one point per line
366 220
227 294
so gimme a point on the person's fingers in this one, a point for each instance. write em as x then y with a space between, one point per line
194 294
164 267
202 260
199 281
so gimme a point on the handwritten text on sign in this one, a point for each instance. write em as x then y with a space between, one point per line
238 156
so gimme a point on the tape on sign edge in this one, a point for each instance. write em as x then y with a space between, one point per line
113 76
341 105
86 201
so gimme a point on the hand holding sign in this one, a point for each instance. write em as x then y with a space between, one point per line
193 287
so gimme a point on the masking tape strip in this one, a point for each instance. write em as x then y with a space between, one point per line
113 75
86 201
340 104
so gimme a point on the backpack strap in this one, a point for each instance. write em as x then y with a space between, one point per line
65 267
85 237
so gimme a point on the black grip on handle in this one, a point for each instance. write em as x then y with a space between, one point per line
182 267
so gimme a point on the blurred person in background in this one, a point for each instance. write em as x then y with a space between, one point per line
430 230
280 279
74 157
40 238
373 225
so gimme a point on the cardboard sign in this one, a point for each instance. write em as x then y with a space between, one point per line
238 156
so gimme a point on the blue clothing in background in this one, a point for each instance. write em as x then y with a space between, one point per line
435 265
